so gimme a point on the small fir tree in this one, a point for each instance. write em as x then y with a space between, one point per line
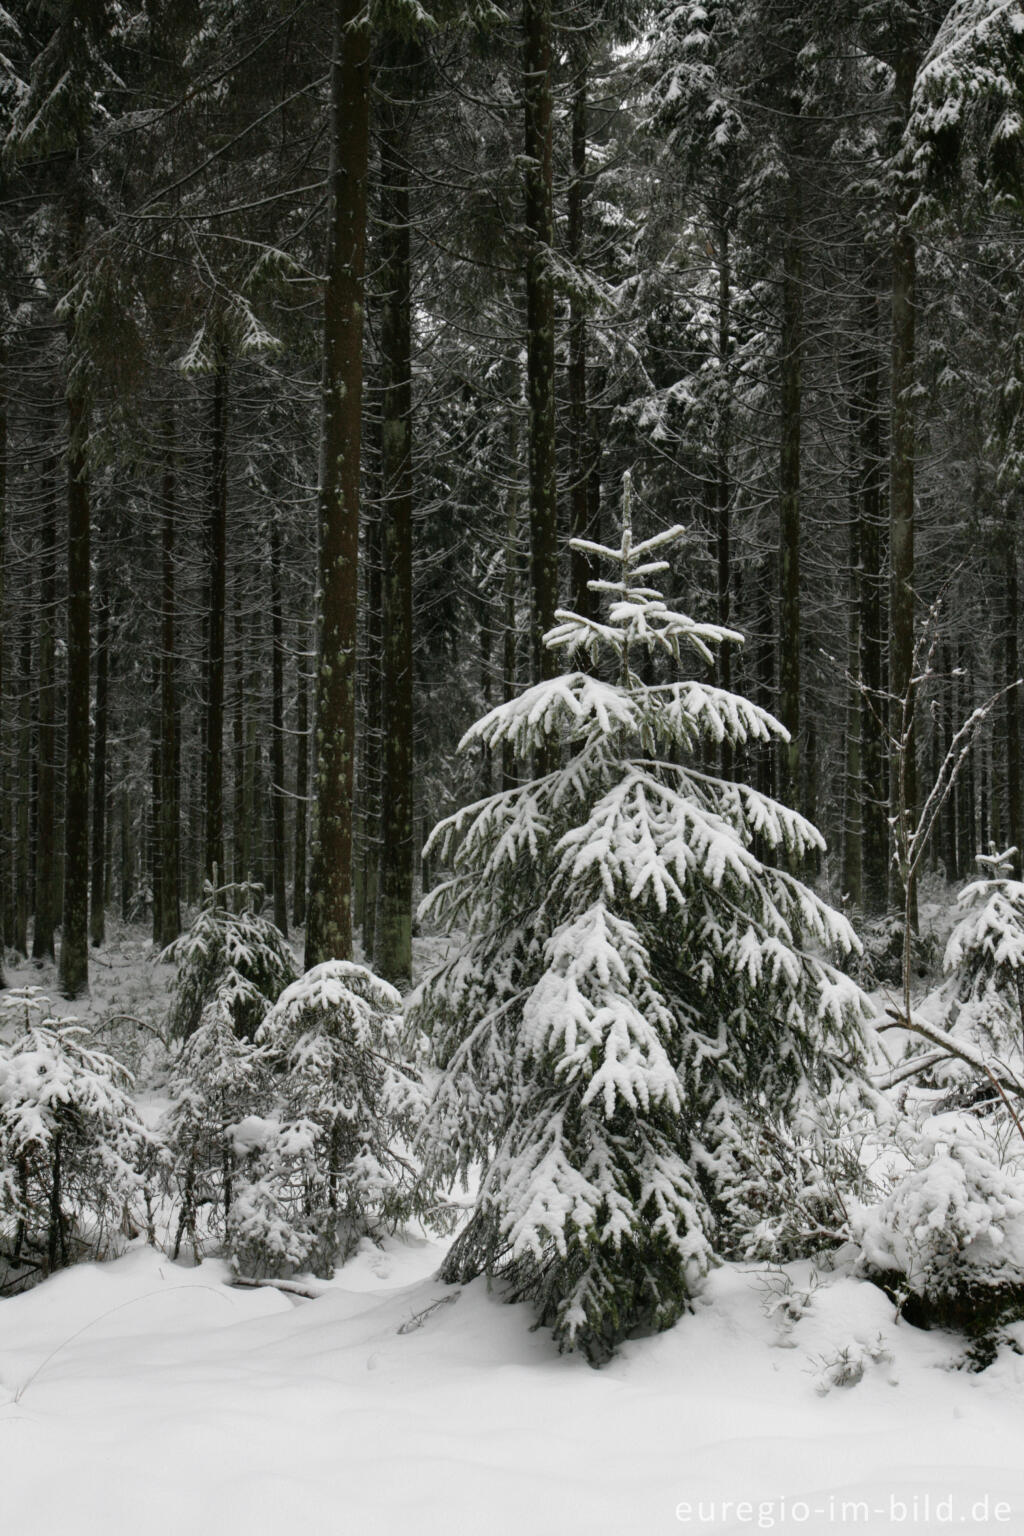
72 1147
637 990
330 1168
238 959
218 1080
985 959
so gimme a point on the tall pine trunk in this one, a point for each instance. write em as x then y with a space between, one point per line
791 384
278 859
329 917
167 913
540 330
874 769
74 947
301 790
98 891
44 908
901 490
392 952
216 549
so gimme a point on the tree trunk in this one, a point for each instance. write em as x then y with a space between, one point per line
301 791
372 743
789 505
23 854
1015 808
216 548
329 918
582 567
168 903
392 949
902 451
97 897
874 806
45 905
278 860
853 796
540 335
7 921
74 947
723 477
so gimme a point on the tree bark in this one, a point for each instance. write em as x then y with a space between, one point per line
329 918
278 859
97 896
540 333
74 947
874 807
216 548
582 567
169 900
789 504
301 792
45 903
392 949
902 454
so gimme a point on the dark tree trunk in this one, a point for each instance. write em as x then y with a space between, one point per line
372 742
74 947
723 476
217 554
97 896
392 950
278 860
45 904
902 453
301 791
540 332
853 794
7 920
23 853
789 505
582 567
874 807
1015 809
329 918
167 902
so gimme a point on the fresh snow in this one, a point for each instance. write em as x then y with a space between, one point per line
142 1396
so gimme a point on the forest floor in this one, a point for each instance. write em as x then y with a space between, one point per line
146 1396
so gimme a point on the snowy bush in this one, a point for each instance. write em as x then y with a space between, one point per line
791 1188
948 1237
218 1079
328 1167
985 959
238 959
72 1147
637 988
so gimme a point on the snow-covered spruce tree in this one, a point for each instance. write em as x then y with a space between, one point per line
217 1081
329 1166
636 991
72 1146
985 959
238 958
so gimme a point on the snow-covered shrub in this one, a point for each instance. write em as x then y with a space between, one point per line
72 1146
947 1239
217 1081
238 959
637 989
791 1187
329 1166
985 960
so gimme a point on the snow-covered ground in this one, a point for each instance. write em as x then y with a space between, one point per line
148 1397
143 1397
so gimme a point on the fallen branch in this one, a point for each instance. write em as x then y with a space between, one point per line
419 1318
289 1287
1006 1079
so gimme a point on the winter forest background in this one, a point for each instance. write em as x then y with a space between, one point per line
478 490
